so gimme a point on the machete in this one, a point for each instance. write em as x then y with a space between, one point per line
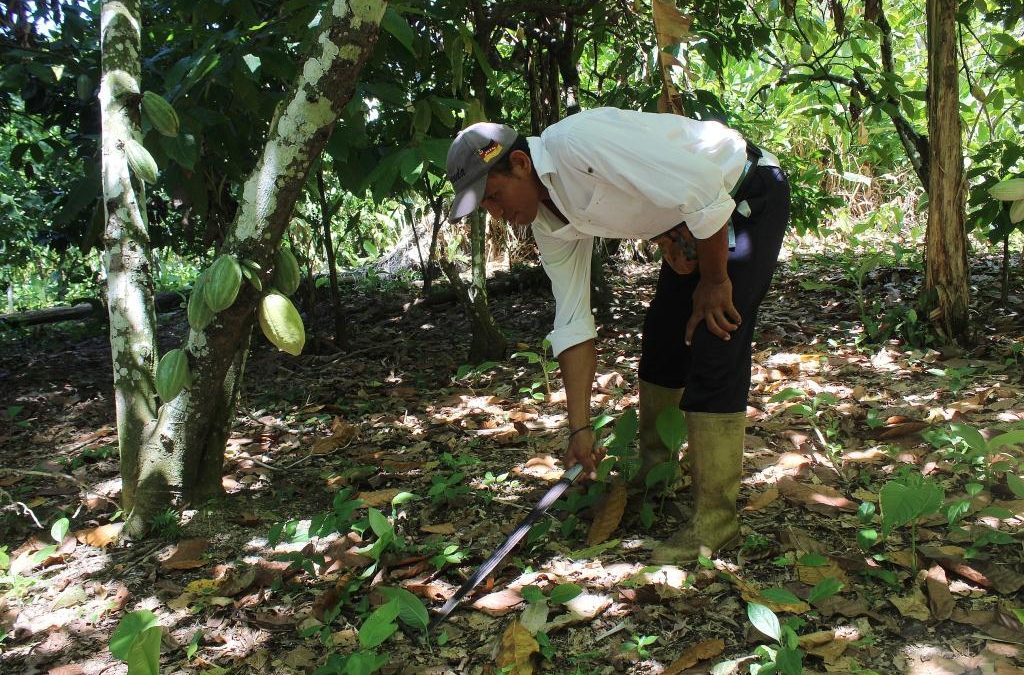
549 498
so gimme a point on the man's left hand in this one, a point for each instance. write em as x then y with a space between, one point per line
712 304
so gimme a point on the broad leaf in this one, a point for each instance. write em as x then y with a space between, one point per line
130 627
671 425
764 620
380 625
410 608
563 593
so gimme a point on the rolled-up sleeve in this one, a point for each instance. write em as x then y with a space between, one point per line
567 264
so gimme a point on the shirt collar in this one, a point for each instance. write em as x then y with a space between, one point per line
539 155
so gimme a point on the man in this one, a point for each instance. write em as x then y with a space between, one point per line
718 208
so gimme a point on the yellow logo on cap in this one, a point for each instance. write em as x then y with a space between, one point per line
492 150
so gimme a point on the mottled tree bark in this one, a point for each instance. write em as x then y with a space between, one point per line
946 279
126 242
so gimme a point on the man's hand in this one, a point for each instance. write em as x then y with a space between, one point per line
581 451
712 303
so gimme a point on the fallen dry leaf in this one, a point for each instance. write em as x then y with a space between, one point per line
609 514
814 574
706 649
187 555
762 500
499 603
913 604
101 536
515 657
441 528
584 607
940 600
378 497
820 498
825 644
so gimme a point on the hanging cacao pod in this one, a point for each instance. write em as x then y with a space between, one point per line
1017 211
160 113
286 272
282 324
140 161
199 313
1009 190
172 374
223 280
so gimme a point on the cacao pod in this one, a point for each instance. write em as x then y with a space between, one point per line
1009 190
140 161
1017 211
172 374
286 272
199 313
160 113
223 280
282 324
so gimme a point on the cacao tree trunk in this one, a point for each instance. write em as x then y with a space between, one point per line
126 242
183 448
946 281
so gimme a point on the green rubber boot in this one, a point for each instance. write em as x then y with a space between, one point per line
716 463
653 451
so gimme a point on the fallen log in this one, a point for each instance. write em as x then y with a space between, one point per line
84 309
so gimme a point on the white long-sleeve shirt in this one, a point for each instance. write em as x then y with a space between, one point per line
623 174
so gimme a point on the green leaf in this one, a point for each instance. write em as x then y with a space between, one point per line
813 560
671 426
662 472
364 663
624 432
1015 437
380 625
780 595
395 23
402 498
563 593
789 661
59 530
130 627
532 593
786 395
411 610
971 436
379 523
764 620
182 149
1015 484
867 538
144 653
825 588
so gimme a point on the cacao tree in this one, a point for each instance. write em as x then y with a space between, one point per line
173 449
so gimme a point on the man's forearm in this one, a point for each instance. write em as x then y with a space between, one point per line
578 363
713 256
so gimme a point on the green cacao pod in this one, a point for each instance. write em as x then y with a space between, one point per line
199 313
1017 211
282 324
140 161
1009 190
160 113
222 283
172 374
286 272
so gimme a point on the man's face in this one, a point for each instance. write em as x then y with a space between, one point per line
515 196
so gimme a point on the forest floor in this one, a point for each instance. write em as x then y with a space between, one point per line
841 429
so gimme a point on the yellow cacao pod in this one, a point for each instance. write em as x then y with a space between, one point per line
1009 190
140 161
160 113
286 272
282 324
223 280
172 374
199 313
1017 211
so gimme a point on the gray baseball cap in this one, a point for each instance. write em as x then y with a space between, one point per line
473 152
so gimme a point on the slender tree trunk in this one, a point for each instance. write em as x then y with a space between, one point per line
946 239
183 451
327 212
126 244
